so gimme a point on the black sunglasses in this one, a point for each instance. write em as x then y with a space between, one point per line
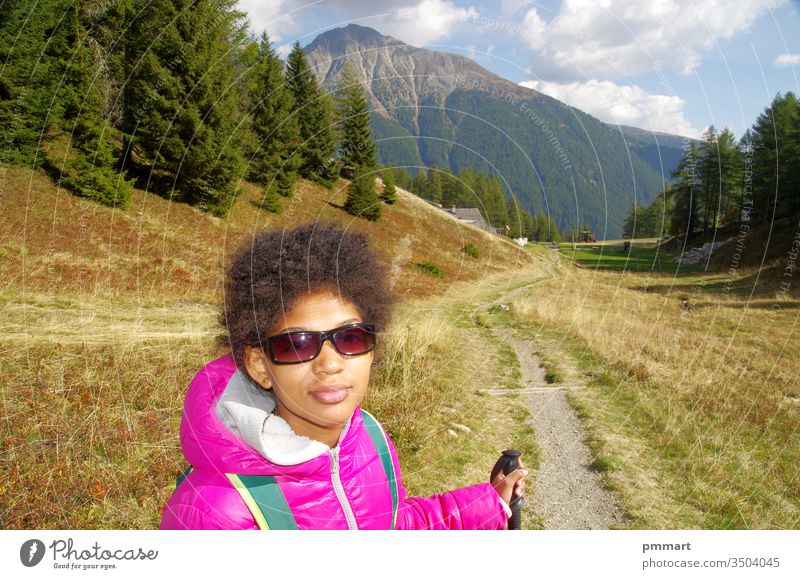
297 347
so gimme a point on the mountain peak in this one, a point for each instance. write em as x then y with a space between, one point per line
338 40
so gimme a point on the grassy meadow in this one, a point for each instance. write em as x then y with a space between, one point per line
639 257
692 400
108 314
693 397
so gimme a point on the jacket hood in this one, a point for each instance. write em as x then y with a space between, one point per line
228 426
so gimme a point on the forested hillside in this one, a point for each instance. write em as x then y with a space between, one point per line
175 98
433 108
733 185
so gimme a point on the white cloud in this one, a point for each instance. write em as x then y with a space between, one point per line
622 104
510 8
427 21
616 38
275 16
785 60
416 22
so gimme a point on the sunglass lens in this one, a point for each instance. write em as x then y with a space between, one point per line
294 347
354 340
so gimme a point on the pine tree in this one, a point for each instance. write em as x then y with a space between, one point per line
389 194
362 201
708 171
776 159
451 190
276 160
183 108
630 225
730 176
684 193
90 167
515 217
434 189
493 200
552 232
31 42
543 232
420 185
271 200
528 225
314 111
403 178
355 146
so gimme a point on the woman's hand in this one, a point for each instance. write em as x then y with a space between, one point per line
511 485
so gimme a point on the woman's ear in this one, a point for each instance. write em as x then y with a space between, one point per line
255 362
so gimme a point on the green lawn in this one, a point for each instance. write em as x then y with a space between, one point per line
640 257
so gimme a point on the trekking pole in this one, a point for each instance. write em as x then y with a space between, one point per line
508 463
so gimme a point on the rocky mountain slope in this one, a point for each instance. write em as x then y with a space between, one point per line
436 108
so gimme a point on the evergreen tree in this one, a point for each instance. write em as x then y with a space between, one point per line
435 184
629 229
552 233
362 201
355 146
403 178
515 217
684 193
90 167
542 228
708 171
271 200
469 184
420 186
730 175
31 43
182 104
776 159
389 194
528 224
451 190
275 162
53 104
720 167
493 200
744 204
315 117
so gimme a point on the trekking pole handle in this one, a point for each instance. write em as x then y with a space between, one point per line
508 463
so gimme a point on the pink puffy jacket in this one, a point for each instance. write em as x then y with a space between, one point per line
207 500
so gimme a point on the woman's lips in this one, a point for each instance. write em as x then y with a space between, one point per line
330 395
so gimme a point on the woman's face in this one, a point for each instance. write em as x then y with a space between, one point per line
316 397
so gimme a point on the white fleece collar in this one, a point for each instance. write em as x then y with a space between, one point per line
246 410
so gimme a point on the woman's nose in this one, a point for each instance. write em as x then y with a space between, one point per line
329 360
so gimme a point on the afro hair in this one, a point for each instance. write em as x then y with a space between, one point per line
270 272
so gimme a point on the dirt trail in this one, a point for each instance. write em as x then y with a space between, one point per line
567 493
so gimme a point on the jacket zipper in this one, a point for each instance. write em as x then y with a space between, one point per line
339 490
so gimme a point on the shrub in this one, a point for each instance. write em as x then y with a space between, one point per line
429 268
472 250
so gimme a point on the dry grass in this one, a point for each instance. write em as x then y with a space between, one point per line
158 251
92 396
694 398
109 313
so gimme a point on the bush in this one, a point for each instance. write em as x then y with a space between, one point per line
429 268
362 201
472 250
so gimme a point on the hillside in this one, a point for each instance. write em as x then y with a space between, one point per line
54 243
108 314
438 108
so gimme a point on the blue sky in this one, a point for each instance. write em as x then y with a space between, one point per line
669 65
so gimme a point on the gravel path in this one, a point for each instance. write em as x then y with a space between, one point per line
568 493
